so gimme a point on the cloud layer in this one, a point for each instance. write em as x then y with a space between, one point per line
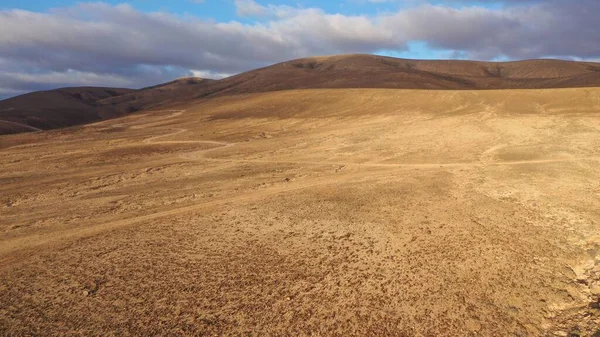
100 44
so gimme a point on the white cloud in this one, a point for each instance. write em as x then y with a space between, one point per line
250 8
95 43
209 74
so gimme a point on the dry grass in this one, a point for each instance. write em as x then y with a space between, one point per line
319 212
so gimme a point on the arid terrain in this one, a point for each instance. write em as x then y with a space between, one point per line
65 107
322 212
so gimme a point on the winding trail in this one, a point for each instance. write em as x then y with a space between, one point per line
23 245
390 165
12 248
196 155
20 124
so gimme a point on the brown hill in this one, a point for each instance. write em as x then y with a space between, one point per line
52 109
65 107
58 108
371 71
158 95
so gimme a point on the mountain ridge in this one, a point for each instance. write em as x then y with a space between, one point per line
319 72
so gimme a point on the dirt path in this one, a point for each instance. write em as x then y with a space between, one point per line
154 140
200 154
38 240
10 247
384 165
20 124
362 214
195 155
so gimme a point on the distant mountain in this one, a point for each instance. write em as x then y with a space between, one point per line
156 96
58 108
72 106
371 71
44 110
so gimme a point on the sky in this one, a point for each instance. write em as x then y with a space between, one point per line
47 44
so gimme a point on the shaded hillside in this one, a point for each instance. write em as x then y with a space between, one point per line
73 106
55 108
157 96
371 71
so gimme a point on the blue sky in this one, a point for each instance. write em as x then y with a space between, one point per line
135 43
223 10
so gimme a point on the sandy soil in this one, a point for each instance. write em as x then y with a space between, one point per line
318 212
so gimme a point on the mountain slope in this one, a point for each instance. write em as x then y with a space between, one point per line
156 96
58 108
72 106
371 71
55 108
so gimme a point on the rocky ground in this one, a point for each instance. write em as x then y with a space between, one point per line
317 212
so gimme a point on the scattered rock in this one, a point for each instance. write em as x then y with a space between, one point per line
595 289
91 287
575 332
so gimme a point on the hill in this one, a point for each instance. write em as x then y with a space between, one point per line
72 106
52 109
58 108
156 96
371 71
